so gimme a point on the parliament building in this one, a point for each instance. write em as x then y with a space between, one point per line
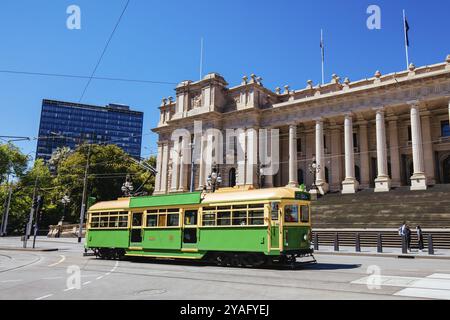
380 133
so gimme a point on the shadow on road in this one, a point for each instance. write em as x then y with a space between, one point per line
288 267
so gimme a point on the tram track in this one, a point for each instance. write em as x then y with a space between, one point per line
36 260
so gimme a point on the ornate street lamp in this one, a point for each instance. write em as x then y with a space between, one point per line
65 201
127 187
314 169
214 179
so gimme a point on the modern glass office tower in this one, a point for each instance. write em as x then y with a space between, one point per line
69 124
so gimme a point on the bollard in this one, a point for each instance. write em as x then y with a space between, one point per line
430 244
404 245
336 242
358 242
380 243
316 241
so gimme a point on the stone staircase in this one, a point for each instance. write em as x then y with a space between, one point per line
369 213
370 210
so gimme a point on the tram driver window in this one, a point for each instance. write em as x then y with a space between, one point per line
274 210
304 214
291 213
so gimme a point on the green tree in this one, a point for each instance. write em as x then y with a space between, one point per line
12 162
108 167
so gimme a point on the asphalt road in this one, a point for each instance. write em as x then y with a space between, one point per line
66 275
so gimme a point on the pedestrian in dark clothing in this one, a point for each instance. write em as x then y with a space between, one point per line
420 238
408 237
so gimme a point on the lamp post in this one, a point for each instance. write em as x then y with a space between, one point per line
65 201
127 187
214 179
314 169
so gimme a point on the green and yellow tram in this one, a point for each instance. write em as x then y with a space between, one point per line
229 227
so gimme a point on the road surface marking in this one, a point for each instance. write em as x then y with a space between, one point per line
44 297
68 289
86 283
435 286
98 278
52 278
424 293
7 281
60 261
115 266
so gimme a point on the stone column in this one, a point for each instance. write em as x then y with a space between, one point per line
293 168
158 169
382 182
269 179
164 168
201 170
449 110
252 157
184 163
320 158
241 154
336 154
349 185
428 152
418 179
394 152
175 165
364 155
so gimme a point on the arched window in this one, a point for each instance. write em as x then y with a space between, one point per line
232 178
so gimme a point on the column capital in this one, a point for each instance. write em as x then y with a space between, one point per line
413 103
380 110
392 118
319 120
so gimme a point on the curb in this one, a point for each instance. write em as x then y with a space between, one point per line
28 250
381 255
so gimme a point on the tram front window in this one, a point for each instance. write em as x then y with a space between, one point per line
291 213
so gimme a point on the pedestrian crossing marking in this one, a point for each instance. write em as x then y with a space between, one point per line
435 286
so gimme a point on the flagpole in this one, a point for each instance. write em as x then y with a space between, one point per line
201 58
406 39
323 58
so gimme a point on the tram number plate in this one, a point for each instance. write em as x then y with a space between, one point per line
302 196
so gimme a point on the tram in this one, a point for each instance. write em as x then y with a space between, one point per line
229 227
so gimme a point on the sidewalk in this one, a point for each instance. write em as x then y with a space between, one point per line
42 244
387 252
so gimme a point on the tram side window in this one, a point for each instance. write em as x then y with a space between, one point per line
162 220
239 218
291 213
173 220
304 214
209 219
152 220
109 220
274 209
256 218
137 219
223 218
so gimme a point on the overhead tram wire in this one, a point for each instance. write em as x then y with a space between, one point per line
104 50
74 76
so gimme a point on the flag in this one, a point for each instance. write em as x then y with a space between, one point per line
407 31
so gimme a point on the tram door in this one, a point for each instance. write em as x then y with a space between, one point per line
276 229
190 230
136 232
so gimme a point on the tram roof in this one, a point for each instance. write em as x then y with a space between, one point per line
250 195
166 200
122 203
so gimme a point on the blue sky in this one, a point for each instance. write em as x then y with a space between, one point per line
160 40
